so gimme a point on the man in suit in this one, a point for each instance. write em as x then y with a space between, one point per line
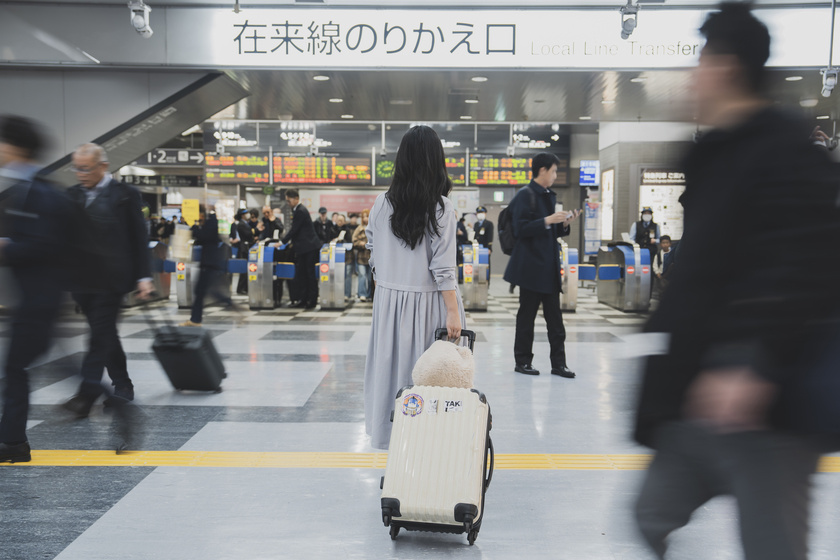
535 266
484 232
33 226
306 244
113 215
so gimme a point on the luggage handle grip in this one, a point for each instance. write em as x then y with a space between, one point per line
443 334
492 463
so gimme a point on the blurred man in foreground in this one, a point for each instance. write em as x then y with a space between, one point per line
732 406
32 228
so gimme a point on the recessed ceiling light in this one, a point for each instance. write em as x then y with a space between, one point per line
823 117
639 80
479 79
809 102
346 116
585 118
793 78
470 100
608 101
402 102
321 78
336 100
466 118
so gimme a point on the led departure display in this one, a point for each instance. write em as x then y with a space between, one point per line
236 168
321 170
457 169
505 170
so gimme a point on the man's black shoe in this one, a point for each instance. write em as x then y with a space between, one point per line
527 369
563 372
123 394
310 306
80 405
19 453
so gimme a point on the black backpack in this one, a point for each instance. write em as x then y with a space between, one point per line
506 238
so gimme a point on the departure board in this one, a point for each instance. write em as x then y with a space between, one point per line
505 170
321 170
457 169
233 168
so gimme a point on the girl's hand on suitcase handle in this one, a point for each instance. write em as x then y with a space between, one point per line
453 325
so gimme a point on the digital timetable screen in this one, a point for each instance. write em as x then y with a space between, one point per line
457 169
230 168
321 170
507 170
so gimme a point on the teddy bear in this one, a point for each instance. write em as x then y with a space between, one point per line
445 364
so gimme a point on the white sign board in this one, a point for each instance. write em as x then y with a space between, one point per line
660 189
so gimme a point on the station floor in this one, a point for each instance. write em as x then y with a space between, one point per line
278 464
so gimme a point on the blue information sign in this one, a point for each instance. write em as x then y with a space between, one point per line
590 173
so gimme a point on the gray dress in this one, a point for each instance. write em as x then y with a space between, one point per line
407 308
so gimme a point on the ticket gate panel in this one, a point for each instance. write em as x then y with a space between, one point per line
186 277
161 279
260 271
331 275
474 274
624 276
569 281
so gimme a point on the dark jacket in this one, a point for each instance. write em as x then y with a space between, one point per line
326 231
484 233
535 261
759 306
34 216
118 230
270 226
302 233
207 237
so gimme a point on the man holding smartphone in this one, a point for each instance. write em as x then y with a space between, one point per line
535 265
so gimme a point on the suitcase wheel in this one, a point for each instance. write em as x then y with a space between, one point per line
471 536
395 530
224 375
218 389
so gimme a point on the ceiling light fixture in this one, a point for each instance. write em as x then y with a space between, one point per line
808 102
638 80
466 118
321 78
608 101
347 116
793 78
823 117
629 17
479 79
585 118
471 101
336 100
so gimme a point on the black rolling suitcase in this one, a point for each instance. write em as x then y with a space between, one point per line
189 358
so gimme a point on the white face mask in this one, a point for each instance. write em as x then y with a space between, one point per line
246 217
481 217
277 215
646 218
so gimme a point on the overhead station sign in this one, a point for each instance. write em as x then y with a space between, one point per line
475 38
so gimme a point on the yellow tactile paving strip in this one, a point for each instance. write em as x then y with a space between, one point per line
292 460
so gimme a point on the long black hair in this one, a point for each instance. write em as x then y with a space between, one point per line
420 180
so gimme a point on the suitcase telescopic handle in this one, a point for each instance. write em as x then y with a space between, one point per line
443 334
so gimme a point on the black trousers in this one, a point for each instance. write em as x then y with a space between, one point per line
306 277
30 337
529 304
105 351
209 280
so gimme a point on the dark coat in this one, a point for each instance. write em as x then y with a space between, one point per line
270 226
326 231
118 228
535 261
207 237
302 233
761 305
34 217
485 239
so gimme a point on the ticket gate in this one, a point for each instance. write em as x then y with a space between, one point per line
161 279
187 271
569 277
624 276
331 275
261 277
475 276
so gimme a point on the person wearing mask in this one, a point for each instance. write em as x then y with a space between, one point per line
362 258
645 233
116 221
411 236
33 227
324 228
306 245
242 238
535 266
484 233
746 385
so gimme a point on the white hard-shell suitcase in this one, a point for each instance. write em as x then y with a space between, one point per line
440 460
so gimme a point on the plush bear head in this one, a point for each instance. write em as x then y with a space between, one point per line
445 364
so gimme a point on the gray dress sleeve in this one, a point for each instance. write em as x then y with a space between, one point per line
442 262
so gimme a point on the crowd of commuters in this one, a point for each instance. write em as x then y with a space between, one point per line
742 401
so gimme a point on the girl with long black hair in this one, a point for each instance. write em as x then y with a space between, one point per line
411 235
